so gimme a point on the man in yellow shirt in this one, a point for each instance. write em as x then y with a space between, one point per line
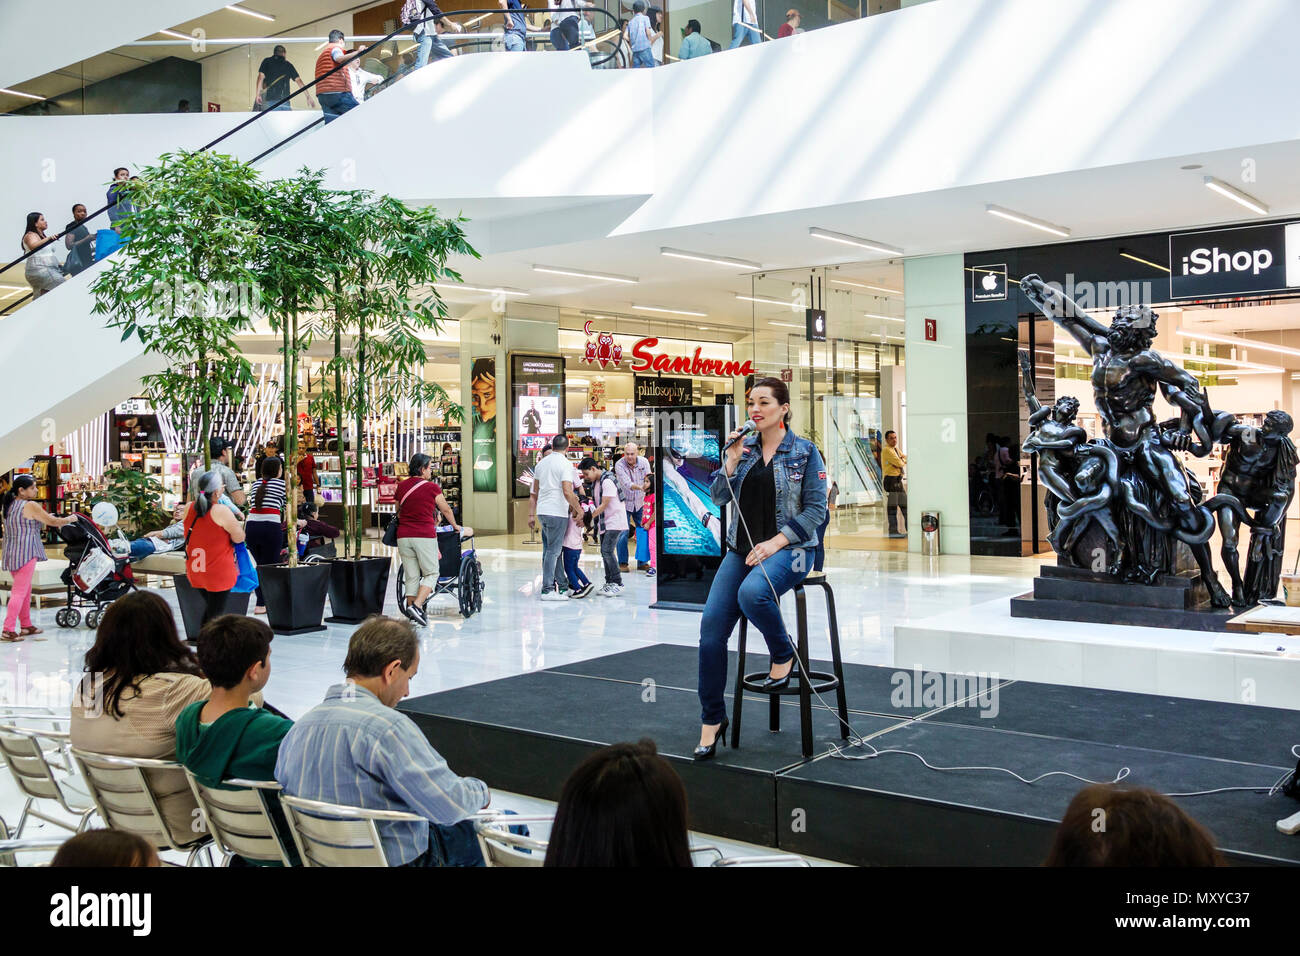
892 464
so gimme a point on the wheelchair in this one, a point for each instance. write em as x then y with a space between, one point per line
467 585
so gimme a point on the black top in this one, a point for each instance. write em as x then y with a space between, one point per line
278 71
757 505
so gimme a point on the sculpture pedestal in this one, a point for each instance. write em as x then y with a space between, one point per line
1073 594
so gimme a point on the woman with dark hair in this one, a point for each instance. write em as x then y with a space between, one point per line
22 549
623 806
139 677
418 543
778 481
98 848
43 270
1107 826
212 533
312 532
265 523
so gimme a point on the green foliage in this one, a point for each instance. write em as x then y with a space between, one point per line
138 498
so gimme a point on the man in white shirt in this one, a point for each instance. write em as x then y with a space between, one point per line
556 504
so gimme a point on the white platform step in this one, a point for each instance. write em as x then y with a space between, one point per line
985 638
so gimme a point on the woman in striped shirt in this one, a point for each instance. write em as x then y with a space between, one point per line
23 518
265 524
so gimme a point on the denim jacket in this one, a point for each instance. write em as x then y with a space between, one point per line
800 477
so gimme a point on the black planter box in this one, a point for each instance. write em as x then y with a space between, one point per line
358 587
193 605
295 597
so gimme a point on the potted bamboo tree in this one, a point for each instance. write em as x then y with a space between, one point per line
185 287
378 311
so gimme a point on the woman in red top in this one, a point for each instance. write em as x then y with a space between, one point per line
212 531
418 496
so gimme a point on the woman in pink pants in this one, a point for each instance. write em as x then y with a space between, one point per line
23 518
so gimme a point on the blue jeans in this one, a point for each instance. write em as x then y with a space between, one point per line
819 556
430 42
514 43
740 33
565 35
142 548
633 522
334 105
455 845
738 589
643 58
571 570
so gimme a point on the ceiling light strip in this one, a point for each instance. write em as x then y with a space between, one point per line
1243 343
1019 217
250 13
656 308
819 233
582 274
1236 195
864 285
707 257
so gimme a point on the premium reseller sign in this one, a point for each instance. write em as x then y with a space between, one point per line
1238 261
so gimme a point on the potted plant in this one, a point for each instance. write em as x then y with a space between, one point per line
185 288
386 253
137 498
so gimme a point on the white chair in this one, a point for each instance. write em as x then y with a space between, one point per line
29 761
501 847
125 801
8 848
330 834
240 820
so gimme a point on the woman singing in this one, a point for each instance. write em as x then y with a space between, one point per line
779 481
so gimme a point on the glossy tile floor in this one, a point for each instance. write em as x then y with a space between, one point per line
516 633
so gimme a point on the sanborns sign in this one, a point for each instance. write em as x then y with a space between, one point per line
1239 261
646 360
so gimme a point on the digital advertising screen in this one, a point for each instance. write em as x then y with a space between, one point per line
537 412
689 527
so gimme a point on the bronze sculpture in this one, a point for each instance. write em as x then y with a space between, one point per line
1131 484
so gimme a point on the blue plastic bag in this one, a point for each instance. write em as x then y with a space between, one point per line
642 546
107 241
247 580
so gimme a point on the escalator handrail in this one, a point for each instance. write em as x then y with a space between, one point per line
305 88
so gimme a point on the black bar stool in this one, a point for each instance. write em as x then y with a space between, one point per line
800 684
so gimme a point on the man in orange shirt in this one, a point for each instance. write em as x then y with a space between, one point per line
335 90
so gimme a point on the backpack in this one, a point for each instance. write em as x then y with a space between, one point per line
611 477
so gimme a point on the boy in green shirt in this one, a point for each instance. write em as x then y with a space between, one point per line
225 737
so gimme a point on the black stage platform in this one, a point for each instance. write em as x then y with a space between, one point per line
525 734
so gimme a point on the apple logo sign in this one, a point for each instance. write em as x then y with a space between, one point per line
990 282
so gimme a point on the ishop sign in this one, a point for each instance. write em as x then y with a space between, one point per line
1242 260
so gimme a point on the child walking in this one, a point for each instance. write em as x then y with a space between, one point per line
578 582
648 522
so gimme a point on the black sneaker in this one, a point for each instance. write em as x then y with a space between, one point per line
418 616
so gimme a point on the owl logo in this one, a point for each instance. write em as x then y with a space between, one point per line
603 351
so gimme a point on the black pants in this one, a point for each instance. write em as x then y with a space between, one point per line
448 554
265 542
564 36
214 604
895 497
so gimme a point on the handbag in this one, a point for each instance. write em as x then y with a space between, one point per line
390 533
247 580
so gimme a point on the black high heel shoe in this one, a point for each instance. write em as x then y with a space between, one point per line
780 683
707 753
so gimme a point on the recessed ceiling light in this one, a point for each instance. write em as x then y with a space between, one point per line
1236 195
188 38
1145 262
250 13
763 300
494 290
873 288
1243 343
819 233
26 96
705 257
1012 216
787 325
655 308
887 318
582 274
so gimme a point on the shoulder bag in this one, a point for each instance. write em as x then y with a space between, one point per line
390 533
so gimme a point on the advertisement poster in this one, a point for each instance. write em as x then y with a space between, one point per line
483 421
537 406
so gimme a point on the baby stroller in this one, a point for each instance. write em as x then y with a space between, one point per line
467 585
95 576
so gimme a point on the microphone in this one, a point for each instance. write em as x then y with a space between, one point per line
747 428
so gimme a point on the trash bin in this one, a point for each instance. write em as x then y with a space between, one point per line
929 532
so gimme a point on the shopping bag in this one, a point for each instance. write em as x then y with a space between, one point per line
107 242
247 580
94 567
642 546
